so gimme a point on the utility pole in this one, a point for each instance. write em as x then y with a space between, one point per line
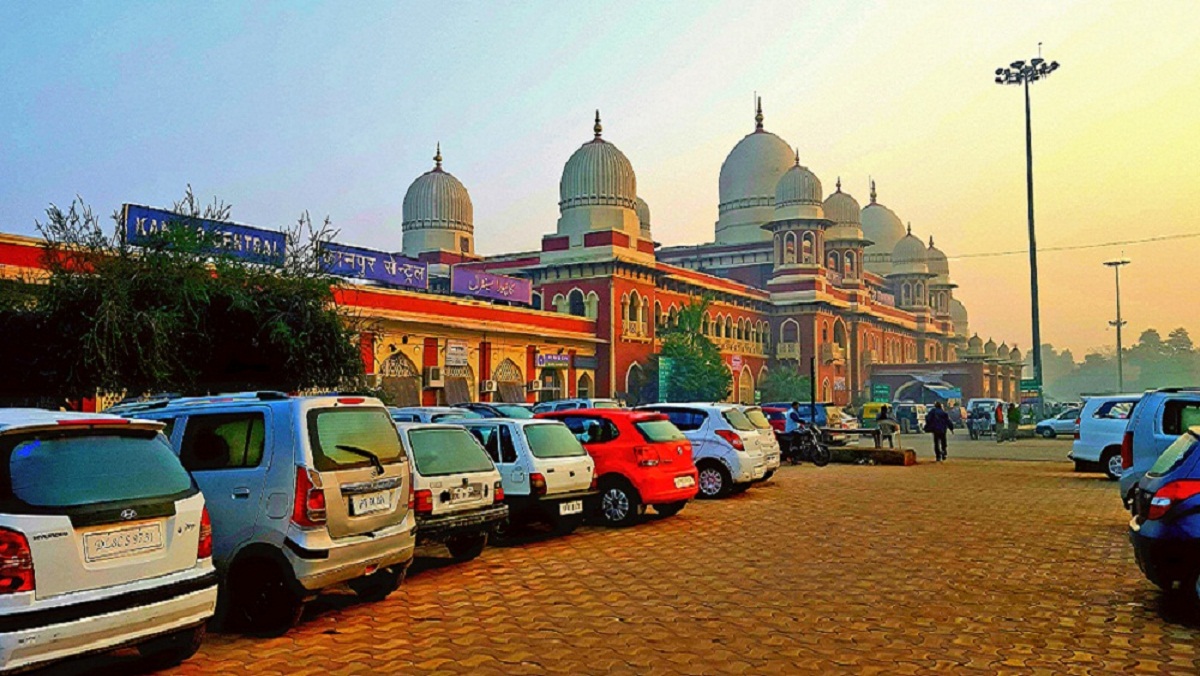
1116 266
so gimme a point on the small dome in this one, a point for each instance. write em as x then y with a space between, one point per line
975 346
883 227
597 174
437 200
1002 351
643 214
843 210
938 265
1014 355
989 348
798 194
909 257
958 315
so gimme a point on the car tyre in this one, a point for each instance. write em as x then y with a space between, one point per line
1047 433
619 503
714 482
467 547
378 585
170 650
1110 462
263 598
671 508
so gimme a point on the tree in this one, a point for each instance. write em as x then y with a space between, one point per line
1179 342
175 315
697 372
784 382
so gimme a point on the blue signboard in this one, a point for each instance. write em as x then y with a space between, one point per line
376 266
142 225
487 285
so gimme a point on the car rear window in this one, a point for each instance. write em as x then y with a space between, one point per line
439 452
605 404
1115 410
363 429
737 420
553 441
758 419
659 431
515 412
1175 454
70 469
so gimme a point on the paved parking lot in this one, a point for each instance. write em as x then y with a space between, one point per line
973 565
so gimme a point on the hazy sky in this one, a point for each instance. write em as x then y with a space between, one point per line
335 108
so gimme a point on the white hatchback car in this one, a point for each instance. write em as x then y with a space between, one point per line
767 440
725 445
104 541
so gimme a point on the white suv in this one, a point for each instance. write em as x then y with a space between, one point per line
1101 428
725 445
104 541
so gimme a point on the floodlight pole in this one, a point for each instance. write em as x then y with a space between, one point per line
1116 266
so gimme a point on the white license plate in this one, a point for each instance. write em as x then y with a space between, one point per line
684 482
369 503
112 544
465 493
572 507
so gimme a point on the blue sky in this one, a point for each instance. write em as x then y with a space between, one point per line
336 107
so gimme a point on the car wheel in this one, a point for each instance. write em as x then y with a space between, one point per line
378 585
467 548
168 651
264 601
619 503
671 508
1047 433
1111 462
714 481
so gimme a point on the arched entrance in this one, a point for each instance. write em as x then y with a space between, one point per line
460 386
746 387
510 385
400 380
584 387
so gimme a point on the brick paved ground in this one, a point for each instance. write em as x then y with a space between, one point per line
972 566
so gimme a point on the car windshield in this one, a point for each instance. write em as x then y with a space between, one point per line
441 451
737 420
365 429
1175 454
659 431
553 441
516 412
758 419
69 469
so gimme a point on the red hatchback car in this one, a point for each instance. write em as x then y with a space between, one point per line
641 459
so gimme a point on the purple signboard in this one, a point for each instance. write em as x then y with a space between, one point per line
390 269
487 285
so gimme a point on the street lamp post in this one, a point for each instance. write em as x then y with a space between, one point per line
1116 266
1021 73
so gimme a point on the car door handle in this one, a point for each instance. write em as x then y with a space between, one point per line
241 493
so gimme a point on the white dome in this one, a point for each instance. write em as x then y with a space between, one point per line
938 265
798 194
643 214
882 226
975 346
747 183
597 174
909 257
989 348
959 317
843 210
437 211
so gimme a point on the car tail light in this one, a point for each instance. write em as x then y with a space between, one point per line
498 492
204 547
424 501
1170 495
646 456
1077 429
1127 450
16 563
351 400
309 508
412 497
537 484
733 439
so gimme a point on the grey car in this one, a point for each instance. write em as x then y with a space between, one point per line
1063 423
304 493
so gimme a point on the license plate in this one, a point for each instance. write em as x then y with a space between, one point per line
464 493
112 544
684 482
572 507
369 503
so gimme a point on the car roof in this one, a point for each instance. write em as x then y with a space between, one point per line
258 397
12 419
426 409
625 413
513 421
409 426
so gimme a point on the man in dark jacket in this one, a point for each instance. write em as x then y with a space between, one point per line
937 423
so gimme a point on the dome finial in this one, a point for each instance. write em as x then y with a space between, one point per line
797 156
931 241
758 116
910 228
597 128
872 191
839 184
437 158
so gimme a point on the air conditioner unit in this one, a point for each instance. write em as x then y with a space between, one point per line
433 377
488 386
534 386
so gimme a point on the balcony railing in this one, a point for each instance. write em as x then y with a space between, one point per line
633 329
834 277
883 298
832 353
787 351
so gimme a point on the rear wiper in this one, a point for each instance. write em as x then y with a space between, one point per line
363 453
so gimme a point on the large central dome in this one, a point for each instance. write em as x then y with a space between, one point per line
597 174
747 184
882 226
437 213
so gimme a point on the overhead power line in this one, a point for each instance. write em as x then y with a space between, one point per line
1075 247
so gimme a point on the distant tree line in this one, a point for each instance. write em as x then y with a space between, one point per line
1151 362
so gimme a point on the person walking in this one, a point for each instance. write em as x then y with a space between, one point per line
938 423
886 425
998 422
1014 421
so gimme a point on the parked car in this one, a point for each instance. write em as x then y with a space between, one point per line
432 414
768 441
825 415
1102 424
641 460
725 445
1063 423
1155 422
105 541
304 493
910 417
987 405
777 416
500 410
545 472
1165 528
574 404
457 494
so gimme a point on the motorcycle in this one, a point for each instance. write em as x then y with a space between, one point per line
805 445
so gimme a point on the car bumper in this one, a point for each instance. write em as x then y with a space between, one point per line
662 488
1127 483
32 638
434 529
1164 561
542 507
320 561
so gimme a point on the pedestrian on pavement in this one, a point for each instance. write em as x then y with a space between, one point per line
937 423
1014 421
998 426
886 425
